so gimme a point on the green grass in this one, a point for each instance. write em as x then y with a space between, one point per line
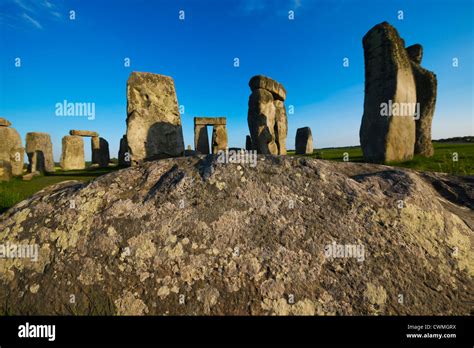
442 161
16 190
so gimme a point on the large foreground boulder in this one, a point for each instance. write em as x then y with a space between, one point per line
387 132
196 236
153 120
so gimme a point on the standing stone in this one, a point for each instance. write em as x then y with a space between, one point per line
219 138
201 139
388 81
261 121
123 156
304 141
72 157
100 152
426 86
11 148
39 149
153 120
267 119
5 171
248 143
281 130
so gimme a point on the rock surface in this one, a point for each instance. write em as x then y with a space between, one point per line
72 156
39 150
153 120
11 149
193 236
303 141
426 90
388 79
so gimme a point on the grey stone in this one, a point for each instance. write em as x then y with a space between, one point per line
226 237
201 139
4 122
219 138
388 81
123 155
11 150
264 82
153 120
39 150
100 152
72 157
426 90
248 143
83 133
304 141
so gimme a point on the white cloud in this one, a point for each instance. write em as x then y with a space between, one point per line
32 21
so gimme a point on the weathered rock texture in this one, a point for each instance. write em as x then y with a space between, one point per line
4 122
11 148
267 119
83 133
72 156
219 138
123 155
100 152
426 87
39 150
303 141
153 119
5 171
193 236
388 79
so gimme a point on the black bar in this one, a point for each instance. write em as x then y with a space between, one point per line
242 330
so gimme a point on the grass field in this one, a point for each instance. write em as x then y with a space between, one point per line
16 190
442 161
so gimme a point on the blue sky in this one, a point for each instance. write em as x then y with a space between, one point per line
82 60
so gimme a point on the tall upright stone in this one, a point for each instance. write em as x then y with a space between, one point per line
72 157
39 150
426 86
248 143
219 138
153 120
100 152
123 155
304 141
388 82
11 150
267 119
201 139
